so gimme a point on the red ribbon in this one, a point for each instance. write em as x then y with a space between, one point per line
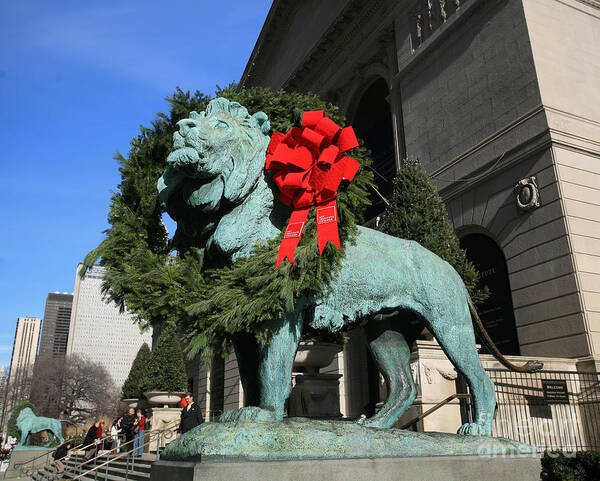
307 167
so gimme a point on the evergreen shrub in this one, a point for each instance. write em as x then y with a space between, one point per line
417 212
583 466
166 369
132 387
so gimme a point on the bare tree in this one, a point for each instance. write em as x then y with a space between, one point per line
73 388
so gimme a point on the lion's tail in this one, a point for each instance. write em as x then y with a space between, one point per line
529 366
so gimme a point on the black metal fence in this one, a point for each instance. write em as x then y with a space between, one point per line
548 409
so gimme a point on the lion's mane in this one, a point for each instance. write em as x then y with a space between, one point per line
217 160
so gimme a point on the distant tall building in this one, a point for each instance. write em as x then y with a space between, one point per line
55 329
24 352
3 390
99 332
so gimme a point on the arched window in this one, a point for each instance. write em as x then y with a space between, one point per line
373 124
496 312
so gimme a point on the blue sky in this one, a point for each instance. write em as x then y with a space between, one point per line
77 79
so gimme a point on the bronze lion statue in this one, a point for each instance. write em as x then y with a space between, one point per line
393 285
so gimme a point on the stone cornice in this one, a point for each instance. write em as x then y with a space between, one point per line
591 3
338 37
269 29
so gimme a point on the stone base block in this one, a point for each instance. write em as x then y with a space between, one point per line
300 439
20 456
438 468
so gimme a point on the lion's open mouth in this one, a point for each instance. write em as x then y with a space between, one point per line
189 161
184 157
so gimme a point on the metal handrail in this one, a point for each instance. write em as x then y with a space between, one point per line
24 466
158 432
77 448
435 408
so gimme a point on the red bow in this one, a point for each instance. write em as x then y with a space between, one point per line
307 167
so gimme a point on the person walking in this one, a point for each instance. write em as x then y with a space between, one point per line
59 455
191 416
139 433
115 431
99 434
128 428
299 401
91 442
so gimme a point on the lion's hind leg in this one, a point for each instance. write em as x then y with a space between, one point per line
454 331
57 431
391 352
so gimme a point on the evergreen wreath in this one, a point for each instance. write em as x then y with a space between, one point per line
212 306
11 426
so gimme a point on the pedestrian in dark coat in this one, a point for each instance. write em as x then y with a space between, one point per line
191 415
59 455
89 442
129 423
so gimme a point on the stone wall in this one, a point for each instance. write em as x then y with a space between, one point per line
471 83
565 36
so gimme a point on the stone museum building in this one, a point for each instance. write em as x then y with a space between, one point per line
500 102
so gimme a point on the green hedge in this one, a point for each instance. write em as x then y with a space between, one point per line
583 466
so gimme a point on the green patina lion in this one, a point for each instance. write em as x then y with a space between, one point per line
28 423
216 188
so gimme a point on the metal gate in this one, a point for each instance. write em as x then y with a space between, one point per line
548 409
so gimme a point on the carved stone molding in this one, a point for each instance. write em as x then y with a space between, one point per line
426 16
591 3
527 194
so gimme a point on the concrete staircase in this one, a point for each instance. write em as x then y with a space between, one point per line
114 471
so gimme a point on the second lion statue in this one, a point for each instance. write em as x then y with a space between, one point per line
395 285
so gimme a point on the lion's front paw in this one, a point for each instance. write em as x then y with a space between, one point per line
474 429
250 413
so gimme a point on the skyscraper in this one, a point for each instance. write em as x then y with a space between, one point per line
99 331
55 329
24 352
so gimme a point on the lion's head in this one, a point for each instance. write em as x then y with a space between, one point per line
217 158
24 415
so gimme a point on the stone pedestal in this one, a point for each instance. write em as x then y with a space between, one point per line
324 388
446 468
325 395
160 418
